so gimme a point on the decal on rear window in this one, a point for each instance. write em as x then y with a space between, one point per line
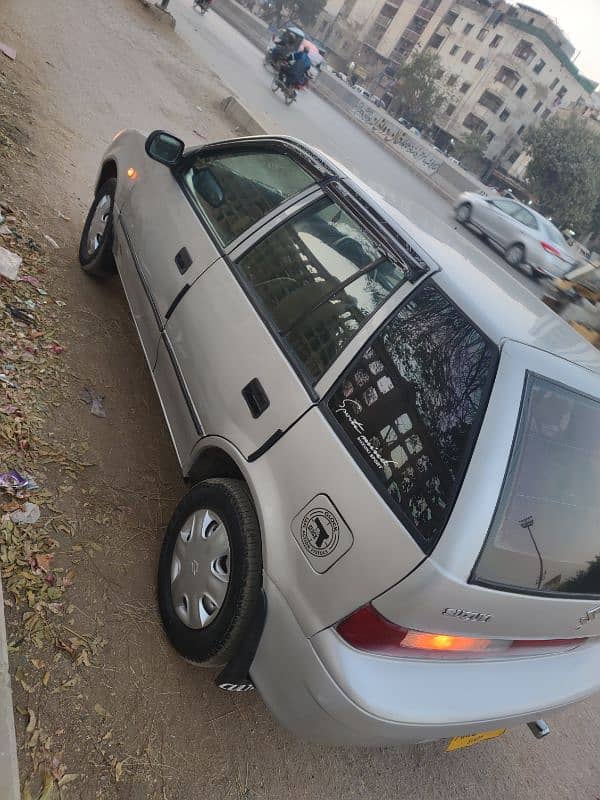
411 405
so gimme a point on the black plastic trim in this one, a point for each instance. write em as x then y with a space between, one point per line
182 386
176 301
273 439
235 677
143 281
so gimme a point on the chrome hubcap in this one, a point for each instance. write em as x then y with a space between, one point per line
514 256
200 569
463 214
98 223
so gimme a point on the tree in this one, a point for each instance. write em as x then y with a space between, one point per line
586 581
418 92
470 149
308 10
564 171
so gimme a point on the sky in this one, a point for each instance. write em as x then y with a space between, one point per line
580 20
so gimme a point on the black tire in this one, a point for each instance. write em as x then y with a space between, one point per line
100 261
214 644
463 213
275 85
515 255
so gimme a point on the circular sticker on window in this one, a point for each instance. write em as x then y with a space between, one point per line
319 532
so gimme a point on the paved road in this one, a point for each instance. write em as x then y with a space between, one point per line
239 64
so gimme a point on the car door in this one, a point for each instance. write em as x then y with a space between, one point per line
177 221
263 324
498 221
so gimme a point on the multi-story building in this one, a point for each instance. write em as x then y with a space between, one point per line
504 67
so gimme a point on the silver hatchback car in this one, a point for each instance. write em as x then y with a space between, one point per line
392 524
527 238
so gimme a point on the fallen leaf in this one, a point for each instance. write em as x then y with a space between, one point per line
102 712
43 560
32 721
118 771
68 778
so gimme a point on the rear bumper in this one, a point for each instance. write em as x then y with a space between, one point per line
325 691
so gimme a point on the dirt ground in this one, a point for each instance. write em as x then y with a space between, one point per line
105 709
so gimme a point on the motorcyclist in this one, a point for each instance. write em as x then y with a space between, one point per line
282 48
297 71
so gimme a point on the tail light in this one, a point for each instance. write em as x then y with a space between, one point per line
554 251
366 629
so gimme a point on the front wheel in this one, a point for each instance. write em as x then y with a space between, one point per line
290 97
95 247
463 213
210 571
275 85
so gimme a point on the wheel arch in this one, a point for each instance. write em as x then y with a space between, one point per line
107 171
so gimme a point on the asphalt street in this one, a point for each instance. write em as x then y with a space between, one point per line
238 63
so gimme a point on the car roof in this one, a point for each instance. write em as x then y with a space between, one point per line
492 298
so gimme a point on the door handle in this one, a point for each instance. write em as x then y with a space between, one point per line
256 398
183 260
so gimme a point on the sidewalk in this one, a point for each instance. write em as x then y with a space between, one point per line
9 773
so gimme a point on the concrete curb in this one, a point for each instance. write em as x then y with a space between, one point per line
239 114
9 767
158 13
332 100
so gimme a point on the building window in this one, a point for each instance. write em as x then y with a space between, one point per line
468 28
467 57
473 123
513 156
561 92
546 113
496 40
454 49
490 135
521 130
480 64
522 90
524 50
537 106
450 109
465 87
505 115
491 101
539 66
452 80
508 77
451 18
482 34
435 41
554 83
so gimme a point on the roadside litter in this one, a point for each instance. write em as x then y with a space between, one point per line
94 400
10 264
13 480
28 515
52 241
8 51
21 314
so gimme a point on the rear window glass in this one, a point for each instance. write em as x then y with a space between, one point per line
556 236
319 277
411 404
545 536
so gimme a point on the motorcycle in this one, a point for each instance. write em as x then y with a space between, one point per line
203 5
290 93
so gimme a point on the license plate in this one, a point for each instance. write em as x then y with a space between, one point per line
468 741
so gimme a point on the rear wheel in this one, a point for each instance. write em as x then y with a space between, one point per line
290 97
463 213
209 572
275 85
95 248
515 255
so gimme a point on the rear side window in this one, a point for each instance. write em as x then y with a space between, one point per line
545 533
234 191
411 404
319 277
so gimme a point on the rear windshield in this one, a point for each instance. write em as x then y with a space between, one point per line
555 235
410 407
545 536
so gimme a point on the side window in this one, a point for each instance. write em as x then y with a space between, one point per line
526 217
411 404
233 191
319 276
508 206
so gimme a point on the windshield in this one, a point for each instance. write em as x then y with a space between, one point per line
545 536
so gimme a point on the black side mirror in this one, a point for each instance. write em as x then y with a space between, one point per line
164 148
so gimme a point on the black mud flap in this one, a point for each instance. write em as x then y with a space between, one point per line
235 677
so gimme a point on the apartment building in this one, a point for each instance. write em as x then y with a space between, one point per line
505 68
